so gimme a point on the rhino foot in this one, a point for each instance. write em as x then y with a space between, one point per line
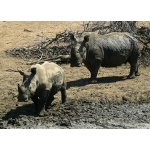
131 77
50 106
137 74
43 113
92 81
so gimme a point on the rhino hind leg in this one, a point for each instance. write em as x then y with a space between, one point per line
137 69
134 69
63 94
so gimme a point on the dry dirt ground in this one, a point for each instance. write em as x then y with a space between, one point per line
113 102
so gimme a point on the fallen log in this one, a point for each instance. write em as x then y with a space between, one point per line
58 59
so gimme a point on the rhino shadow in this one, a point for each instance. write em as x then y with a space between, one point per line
27 110
111 79
102 80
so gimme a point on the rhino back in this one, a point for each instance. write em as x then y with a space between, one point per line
113 49
46 76
54 73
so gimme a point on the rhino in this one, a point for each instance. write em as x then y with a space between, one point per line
40 84
109 50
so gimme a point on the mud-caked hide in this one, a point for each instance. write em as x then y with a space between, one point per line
43 83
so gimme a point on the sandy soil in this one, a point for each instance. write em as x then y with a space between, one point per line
111 103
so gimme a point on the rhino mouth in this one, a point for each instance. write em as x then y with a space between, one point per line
23 99
26 98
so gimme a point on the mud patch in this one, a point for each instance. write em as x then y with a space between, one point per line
81 114
111 103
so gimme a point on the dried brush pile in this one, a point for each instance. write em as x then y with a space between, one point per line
58 48
49 49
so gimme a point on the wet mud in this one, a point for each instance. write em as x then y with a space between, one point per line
81 114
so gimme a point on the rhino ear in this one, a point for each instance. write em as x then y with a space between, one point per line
72 37
25 75
33 71
86 38
21 72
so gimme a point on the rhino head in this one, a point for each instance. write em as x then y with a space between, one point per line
78 49
24 93
25 90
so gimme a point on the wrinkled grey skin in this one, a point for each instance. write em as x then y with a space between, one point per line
109 50
41 84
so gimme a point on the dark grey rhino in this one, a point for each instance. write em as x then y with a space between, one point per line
41 84
109 50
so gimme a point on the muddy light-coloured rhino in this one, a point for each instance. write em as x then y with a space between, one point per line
41 84
109 50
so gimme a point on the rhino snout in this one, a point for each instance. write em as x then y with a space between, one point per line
23 98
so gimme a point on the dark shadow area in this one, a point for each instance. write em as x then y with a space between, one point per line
111 79
27 110
85 81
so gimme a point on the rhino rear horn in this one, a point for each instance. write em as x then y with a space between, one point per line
86 38
33 70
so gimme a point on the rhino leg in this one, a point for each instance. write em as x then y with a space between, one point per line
93 68
137 71
134 69
42 103
52 92
49 101
35 100
63 94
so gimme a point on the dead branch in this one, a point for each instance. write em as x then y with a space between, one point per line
11 70
58 59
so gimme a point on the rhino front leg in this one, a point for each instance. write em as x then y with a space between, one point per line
95 65
49 101
42 103
35 100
